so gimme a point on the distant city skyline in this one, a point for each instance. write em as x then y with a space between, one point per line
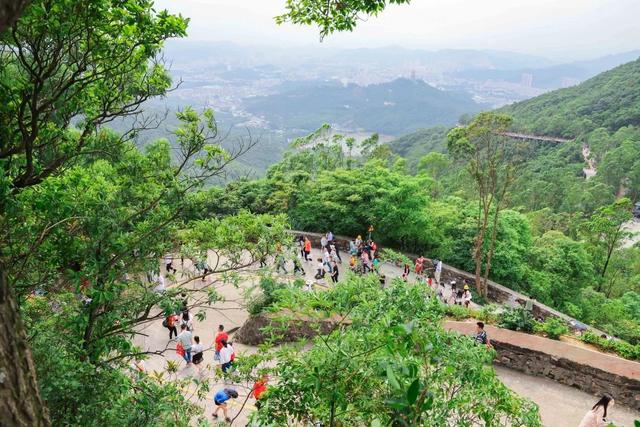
560 30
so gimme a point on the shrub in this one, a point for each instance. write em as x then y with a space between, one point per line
517 319
621 348
552 327
268 297
457 312
488 314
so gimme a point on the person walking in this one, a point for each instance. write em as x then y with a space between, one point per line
297 266
280 263
335 250
220 399
307 249
186 320
597 416
466 296
300 241
197 351
376 265
220 336
326 260
459 297
168 263
320 269
170 323
438 270
226 353
353 248
366 267
185 339
419 265
334 272
324 242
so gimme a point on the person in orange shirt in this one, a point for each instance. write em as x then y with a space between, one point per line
170 323
307 248
221 336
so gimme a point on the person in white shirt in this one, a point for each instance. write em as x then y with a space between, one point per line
161 285
466 296
197 351
320 269
184 338
438 271
597 416
225 356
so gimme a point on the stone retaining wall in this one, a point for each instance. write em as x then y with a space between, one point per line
496 292
565 371
253 331
592 372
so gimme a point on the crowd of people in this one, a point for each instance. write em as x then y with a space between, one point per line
364 258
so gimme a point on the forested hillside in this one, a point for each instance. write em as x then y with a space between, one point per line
601 114
558 235
610 100
393 108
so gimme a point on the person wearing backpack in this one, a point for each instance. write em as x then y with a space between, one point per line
170 323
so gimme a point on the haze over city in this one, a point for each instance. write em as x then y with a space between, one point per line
560 30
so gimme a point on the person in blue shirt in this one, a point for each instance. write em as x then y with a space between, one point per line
220 399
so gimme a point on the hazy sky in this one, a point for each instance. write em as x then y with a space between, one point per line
559 29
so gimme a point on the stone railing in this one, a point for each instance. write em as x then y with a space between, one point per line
587 370
496 292
590 371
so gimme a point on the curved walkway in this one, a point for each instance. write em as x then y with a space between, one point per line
232 313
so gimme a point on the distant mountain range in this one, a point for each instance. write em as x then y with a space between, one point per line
551 77
392 108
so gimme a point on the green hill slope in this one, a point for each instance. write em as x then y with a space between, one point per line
601 114
393 108
610 100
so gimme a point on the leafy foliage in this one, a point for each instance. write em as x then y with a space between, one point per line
331 16
517 319
393 364
552 327
621 348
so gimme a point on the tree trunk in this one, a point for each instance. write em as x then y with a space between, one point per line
492 244
477 250
20 402
10 11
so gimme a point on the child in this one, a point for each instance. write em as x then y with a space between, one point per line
353 262
376 264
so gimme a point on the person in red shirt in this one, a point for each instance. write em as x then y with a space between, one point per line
307 249
419 265
222 336
170 323
258 388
